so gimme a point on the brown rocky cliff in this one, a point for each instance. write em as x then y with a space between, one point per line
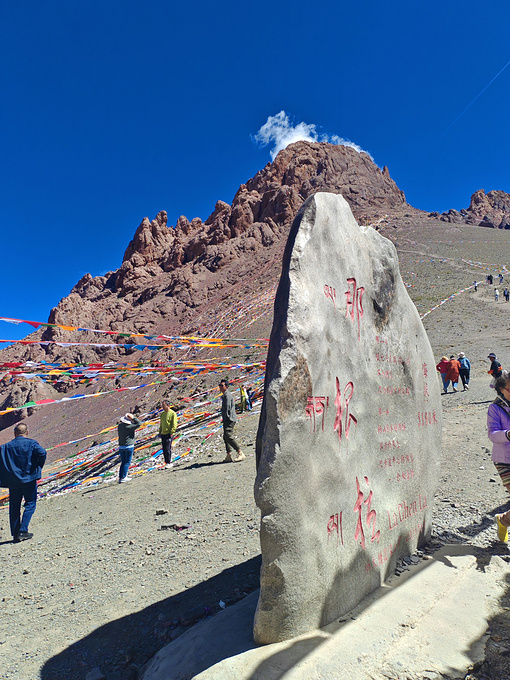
168 271
169 275
485 210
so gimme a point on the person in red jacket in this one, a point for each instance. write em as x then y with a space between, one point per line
442 367
453 372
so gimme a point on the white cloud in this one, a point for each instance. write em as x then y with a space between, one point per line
279 132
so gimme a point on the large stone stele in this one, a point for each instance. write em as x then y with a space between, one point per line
349 443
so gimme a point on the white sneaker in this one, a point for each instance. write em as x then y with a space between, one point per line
126 479
169 465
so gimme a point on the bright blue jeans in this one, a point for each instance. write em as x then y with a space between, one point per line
126 454
27 491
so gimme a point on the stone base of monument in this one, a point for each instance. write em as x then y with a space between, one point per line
431 621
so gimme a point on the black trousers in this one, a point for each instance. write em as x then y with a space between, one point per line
464 376
166 442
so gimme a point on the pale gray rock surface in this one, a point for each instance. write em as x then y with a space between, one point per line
349 439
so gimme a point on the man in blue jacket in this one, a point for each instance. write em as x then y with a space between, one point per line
21 461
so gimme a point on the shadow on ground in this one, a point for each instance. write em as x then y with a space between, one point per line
120 645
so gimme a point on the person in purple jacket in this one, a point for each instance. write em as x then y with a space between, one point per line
498 426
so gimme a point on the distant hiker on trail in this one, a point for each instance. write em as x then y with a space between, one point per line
496 294
442 367
244 399
500 279
498 426
21 461
490 279
126 431
229 419
475 284
495 370
465 370
453 372
506 294
167 427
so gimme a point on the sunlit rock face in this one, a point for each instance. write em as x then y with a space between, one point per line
348 444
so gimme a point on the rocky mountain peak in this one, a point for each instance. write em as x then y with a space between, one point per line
169 273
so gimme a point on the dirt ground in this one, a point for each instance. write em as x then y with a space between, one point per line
114 572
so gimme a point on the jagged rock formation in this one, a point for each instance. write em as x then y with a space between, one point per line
168 273
175 280
485 210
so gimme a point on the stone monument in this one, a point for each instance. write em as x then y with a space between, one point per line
349 440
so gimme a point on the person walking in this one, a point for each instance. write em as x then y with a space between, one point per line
442 367
229 419
475 284
506 294
21 462
496 294
244 400
453 372
249 397
167 427
495 370
498 430
126 433
465 370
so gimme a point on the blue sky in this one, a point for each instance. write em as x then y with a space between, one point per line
114 110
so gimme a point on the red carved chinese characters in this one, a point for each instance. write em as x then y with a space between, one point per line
316 406
359 534
425 386
426 418
342 406
335 526
330 293
354 295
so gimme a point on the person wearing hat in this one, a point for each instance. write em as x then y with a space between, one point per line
442 367
126 432
495 370
465 370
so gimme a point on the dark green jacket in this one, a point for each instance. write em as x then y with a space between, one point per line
127 432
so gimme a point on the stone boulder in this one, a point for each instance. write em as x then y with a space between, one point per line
349 443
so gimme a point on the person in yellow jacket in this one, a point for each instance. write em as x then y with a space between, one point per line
167 427
244 400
